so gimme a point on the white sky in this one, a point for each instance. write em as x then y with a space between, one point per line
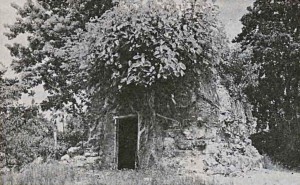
230 13
7 16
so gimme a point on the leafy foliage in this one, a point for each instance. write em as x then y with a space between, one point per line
272 31
133 51
49 25
46 23
26 135
75 130
137 57
137 51
9 90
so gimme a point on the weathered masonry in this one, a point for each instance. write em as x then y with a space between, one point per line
214 140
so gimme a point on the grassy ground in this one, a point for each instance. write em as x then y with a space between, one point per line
58 174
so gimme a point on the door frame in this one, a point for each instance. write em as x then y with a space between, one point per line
116 143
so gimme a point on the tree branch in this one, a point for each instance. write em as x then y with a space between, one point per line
167 118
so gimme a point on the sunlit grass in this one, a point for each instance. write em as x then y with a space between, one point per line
44 174
59 174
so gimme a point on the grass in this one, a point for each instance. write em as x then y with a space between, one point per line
44 174
59 174
142 178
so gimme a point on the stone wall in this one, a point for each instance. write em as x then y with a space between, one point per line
218 141
215 140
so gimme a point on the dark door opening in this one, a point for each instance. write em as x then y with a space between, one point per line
127 130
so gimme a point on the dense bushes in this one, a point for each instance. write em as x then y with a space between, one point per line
26 135
271 143
271 31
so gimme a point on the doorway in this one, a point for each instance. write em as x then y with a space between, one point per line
127 136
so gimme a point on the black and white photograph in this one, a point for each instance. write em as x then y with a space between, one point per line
149 92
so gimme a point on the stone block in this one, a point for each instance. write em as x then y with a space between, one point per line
210 133
79 158
178 153
65 158
199 144
80 144
185 144
4 170
194 132
92 160
90 154
169 142
74 151
173 133
210 162
211 148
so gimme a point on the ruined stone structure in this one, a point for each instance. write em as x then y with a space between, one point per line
215 140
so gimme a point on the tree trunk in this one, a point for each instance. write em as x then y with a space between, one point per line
148 151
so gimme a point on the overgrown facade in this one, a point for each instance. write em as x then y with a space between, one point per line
215 140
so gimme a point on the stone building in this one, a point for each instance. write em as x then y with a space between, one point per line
215 140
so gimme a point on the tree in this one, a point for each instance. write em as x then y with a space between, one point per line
49 25
138 57
45 22
271 29
129 53
26 136
51 29
143 47
9 92
147 58
25 133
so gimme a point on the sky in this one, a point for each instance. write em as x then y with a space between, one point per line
7 16
230 13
